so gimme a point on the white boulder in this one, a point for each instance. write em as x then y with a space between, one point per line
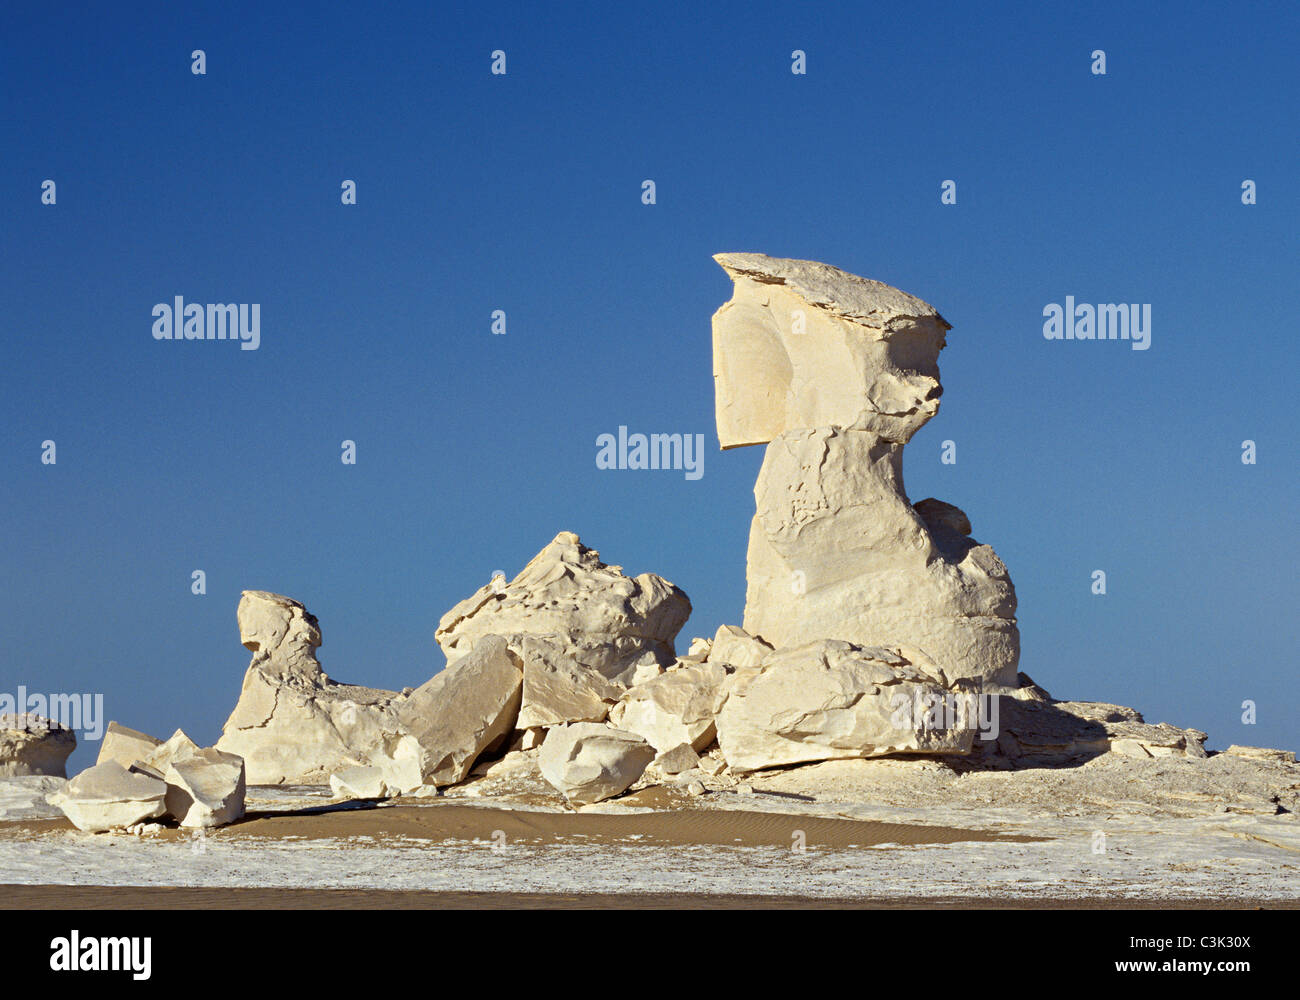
31 745
680 758
205 788
125 746
589 762
829 700
737 648
468 708
559 689
109 797
359 782
678 706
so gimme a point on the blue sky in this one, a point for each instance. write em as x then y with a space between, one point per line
522 193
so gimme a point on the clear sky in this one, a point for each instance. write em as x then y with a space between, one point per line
523 193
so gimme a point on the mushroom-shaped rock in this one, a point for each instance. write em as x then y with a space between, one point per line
836 373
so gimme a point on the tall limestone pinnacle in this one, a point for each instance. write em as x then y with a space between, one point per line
835 373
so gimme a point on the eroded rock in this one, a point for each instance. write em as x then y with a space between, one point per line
125 746
678 706
205 788
109 797
596 615
835 373
470 706
293 724
830 699
558 689
31 744
588 762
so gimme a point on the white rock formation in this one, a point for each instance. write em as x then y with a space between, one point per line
205 788
109 797
177 745
680 758
559 689
125 746
838 372
678 706
737 648
1050 732
466 709
30 744
359 782
293 724
598 616
589 762
831 699
400 759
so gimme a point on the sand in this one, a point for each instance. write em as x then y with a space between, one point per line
447 820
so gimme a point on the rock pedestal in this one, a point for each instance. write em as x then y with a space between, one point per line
835 373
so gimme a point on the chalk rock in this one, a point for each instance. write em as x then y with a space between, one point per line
1053 732
829 700
588 762
178 745
803 344
1262 753
205 788
680 758
699 649
109 797
31 744
359 782
292 723
737 648
125 746
400 759
559 689
600 617
940 516
836 373
676 707
470 706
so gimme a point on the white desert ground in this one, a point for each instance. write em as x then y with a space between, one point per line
889 832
